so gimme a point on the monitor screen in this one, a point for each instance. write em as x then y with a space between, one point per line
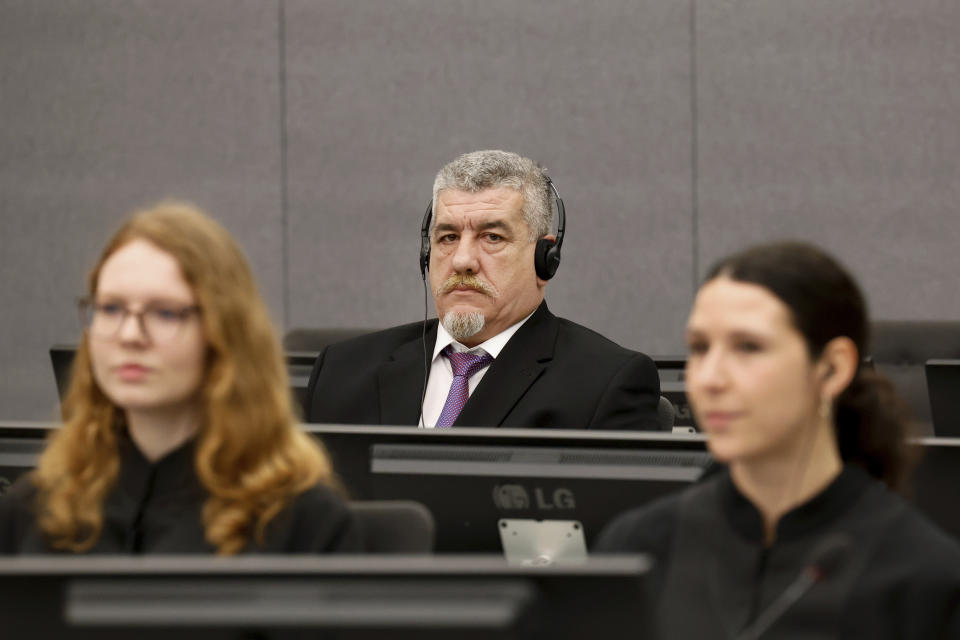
471 479
943 389
20 444
933 486
349 597
61 357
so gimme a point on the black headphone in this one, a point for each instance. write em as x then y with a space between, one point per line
546 257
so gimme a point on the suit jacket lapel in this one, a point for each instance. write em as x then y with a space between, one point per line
400 380
520 363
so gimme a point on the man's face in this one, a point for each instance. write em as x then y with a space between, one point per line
481 262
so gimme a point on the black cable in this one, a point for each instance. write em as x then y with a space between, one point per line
426 368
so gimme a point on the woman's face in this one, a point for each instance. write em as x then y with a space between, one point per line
146 337
750 378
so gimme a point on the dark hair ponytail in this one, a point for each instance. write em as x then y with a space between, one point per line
872 422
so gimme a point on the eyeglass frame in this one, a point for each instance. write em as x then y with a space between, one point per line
88 308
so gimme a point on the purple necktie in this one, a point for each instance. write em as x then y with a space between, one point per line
464 365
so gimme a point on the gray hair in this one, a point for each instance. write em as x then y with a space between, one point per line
491 169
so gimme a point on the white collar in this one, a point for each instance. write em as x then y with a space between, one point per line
493 346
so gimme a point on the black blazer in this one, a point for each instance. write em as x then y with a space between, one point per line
552 373
157 507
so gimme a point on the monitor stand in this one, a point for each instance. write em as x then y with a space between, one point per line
534 543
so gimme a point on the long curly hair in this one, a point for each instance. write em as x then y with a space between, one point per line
250 455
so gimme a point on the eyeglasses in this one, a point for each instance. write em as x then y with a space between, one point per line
157 321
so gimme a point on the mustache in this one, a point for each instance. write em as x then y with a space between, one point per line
473 282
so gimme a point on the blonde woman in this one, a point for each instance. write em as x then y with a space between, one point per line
178 432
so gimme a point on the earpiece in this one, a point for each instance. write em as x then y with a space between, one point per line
425 241
546 256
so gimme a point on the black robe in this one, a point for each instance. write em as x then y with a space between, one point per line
157 508
898 578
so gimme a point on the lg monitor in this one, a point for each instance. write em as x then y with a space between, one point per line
348 597
473 480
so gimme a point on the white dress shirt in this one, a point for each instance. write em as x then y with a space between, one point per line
441 372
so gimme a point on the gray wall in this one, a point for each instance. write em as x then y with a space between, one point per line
675 131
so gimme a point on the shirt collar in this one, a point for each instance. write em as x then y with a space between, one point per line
173 472
813 515
493 346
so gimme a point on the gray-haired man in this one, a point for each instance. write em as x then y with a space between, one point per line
497 356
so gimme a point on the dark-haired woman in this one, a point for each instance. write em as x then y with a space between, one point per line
800 537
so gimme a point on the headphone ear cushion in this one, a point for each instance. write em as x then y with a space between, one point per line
425 240
424 255
546 258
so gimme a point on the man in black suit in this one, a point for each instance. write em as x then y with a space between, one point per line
498 357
